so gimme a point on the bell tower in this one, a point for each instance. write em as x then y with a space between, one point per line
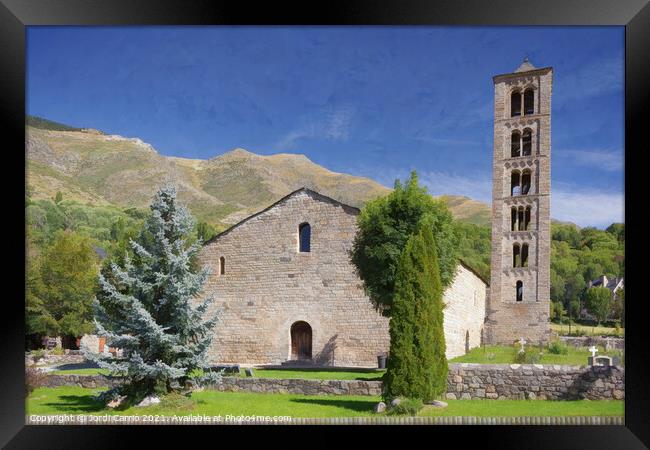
519 297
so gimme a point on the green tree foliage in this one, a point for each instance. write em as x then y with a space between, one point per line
384 227
599 302
581 255
417 366
146 306
205 231
474 247
61 284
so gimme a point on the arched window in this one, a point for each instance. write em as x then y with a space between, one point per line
513 219
222 266
519 291
515 104
515 181
529 101
520 218
527 218
515 144
527 142
525 182
524 255
516 256
304 236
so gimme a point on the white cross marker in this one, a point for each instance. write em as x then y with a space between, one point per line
522 341
593 351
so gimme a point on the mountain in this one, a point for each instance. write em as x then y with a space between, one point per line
89 166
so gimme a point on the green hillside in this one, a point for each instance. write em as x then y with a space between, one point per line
92 168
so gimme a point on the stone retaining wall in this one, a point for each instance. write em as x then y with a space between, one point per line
84 381
299 386
534 381
587 341
465 381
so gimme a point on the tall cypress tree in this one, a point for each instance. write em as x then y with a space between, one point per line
145 305
417 366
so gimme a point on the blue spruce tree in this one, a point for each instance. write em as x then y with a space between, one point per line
147 306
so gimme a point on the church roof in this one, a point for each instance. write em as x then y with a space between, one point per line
291 194
525 66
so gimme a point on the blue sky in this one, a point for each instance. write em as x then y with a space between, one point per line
369 101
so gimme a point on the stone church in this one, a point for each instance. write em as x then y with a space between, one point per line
286 290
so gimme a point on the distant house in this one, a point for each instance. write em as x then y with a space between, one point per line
613 284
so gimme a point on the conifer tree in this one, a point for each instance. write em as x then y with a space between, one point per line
417 366
146 306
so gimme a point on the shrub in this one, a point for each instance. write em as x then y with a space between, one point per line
529 356
33 379
38 354
406 407
577 332
58 351
558 348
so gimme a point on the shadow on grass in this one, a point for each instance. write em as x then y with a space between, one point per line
76 366
77 403
354 405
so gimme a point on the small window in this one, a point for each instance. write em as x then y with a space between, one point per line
222 266
519 291
520 218
513 219
515 104
304 236
529 101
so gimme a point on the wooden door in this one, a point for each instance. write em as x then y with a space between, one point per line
300 341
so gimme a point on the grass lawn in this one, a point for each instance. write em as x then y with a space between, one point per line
563 330
76 400
503 354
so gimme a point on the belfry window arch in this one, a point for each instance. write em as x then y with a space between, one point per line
515 144
516 255
529 101
519 291
515 103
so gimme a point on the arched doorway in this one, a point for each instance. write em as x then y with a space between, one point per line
300 340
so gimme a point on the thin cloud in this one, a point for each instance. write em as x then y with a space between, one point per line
332 125
588 207
608 161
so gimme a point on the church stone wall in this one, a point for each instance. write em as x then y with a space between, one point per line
268 285
464 312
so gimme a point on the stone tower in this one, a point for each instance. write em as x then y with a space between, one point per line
519 298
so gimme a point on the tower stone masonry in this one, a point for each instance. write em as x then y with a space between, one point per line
519 299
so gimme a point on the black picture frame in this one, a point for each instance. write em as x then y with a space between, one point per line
15 15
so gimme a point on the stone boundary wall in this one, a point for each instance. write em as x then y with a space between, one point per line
587 341
299 386
84 381
534 381
465 381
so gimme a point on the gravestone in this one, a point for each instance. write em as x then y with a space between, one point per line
249 372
